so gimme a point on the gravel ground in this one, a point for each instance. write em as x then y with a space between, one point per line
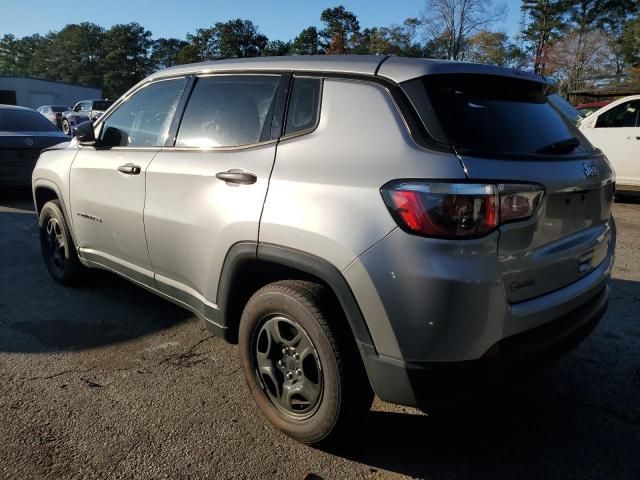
109 381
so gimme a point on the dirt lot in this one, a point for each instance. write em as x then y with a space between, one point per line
109 381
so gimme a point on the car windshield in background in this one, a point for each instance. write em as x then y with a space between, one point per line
483 114
24 121
102 105
59 108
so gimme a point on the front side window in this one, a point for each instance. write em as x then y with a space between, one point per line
625 115
143 120
77 107
304 105
228 111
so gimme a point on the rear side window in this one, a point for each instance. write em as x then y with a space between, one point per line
485 114
24 121
624 115
228 111
143 120
304 105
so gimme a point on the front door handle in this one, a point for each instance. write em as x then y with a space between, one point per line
237 177
129 169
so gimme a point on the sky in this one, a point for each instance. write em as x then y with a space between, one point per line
278 19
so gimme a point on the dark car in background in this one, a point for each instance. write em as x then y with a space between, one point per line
24 133
81 112
53 113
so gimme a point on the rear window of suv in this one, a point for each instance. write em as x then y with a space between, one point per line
24 121
493 115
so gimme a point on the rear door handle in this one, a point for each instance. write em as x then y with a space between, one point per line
129 169
237 177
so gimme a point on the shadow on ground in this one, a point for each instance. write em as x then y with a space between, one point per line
529 433
38 315
578 418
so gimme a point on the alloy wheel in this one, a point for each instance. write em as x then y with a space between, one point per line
56 244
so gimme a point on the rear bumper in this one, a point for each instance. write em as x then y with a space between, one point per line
17 173
426 384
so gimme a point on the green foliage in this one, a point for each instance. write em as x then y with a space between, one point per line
233 39
340 28
165 52
631 42
306 43
276 48
126 59
400 40
544 21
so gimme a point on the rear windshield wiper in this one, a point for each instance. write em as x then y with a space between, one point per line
563 146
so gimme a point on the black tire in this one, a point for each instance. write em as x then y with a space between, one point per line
58 248
346 394
66 128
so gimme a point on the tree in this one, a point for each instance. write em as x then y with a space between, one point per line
74 54
188 54
542 23
613 19
341 26
393 40
233 39
578 55
126 59
488 47
276 48
165 52
306 43
630 42
453 21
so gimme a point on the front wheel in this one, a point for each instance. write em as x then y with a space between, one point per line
301 367
58 249
66 128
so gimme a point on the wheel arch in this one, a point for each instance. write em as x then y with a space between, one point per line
45 190
248 266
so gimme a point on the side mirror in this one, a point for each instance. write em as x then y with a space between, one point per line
85 134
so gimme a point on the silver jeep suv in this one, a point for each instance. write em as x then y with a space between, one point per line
408 227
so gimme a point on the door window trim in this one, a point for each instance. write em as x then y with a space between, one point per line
309 130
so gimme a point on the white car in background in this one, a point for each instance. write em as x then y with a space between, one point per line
615 129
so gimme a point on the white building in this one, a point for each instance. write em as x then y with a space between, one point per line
33 93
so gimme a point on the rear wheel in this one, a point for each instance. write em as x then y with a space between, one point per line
57 246
303 372
66 128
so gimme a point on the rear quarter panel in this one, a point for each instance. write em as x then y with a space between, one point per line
324 194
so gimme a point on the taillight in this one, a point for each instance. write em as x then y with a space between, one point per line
458 210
